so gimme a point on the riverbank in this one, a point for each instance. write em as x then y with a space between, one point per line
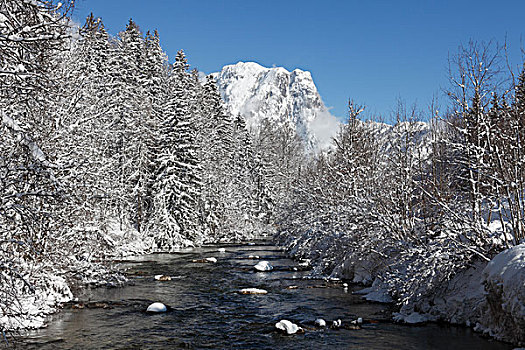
488 297
49 285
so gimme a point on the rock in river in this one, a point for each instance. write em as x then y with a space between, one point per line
263 266
288 327
162 278
320 322
205 260
253 291
157 307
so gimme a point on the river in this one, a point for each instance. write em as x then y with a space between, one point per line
205 310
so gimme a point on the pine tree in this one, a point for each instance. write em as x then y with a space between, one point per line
216 143
177 182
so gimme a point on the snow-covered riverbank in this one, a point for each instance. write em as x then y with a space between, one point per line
490 297
49 286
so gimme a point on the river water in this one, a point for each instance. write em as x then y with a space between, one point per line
207 312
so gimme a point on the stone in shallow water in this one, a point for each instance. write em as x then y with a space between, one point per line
205 260
253 291
336 324
320 322
288 327
263 266
157 307
162 278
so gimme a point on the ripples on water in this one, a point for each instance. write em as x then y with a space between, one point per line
206 312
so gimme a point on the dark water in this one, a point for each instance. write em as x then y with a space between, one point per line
206 311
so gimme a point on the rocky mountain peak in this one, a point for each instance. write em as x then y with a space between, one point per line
275 94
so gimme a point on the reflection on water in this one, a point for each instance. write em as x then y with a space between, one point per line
206 312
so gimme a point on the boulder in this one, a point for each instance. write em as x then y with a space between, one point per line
157 308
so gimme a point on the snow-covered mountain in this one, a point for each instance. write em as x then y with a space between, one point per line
258 93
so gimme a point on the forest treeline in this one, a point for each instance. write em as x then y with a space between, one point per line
107 148
411 205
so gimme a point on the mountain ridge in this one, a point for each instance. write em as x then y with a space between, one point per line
284 97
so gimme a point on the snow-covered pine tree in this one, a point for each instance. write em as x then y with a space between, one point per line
156 91
131 127
215 138
81 137
33 195
283 157
252 196
177 184
516 145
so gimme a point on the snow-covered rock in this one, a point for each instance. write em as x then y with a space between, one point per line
337 323
490 296
157 307
377 292
263 266
305 263
504 280
460 300
287 327
320 322
162 278
253 291
258 93
205 260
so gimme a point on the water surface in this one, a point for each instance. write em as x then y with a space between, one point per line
207 312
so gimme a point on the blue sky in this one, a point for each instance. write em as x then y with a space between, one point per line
374 51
